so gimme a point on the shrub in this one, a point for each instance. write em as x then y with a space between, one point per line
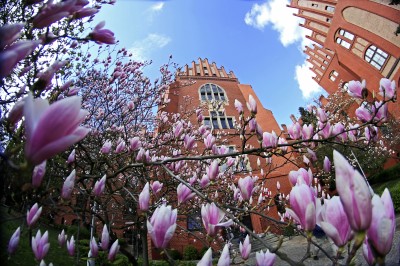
202 251
386 175
175 254
190 253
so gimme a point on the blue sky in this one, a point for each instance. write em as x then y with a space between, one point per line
259 40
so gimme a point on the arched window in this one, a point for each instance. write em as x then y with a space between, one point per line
375 57
210 92
333 75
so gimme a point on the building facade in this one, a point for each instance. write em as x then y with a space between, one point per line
214 90
353 40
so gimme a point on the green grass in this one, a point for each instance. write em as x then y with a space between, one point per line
394 189
24 254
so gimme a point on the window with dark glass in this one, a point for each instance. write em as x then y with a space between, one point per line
375 57
219 120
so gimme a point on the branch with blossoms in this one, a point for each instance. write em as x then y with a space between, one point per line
126 158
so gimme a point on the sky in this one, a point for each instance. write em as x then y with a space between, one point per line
260 41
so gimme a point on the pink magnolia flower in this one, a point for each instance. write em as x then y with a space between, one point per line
354 193
327 165
265 259
357 89
134 143
363 114
94 248
156 187
162 225
71 246
252 105
307 132
47 76
106 147
224 259
238 106
120 147
302 206
383 224
381 112
294 130
16 112
33 215
62 237
113 251
99 186
334 222
212 217
38 174
68 185
14 240
71 157
321 115
40 245
51 129
184 193
245 248
144 198
53 12
367 252
14 53
301 176
246 186
387 88
339 131
204 181
9 33
270 140
209 141
213 170
100 35
206 260
325 130
105 238
85 12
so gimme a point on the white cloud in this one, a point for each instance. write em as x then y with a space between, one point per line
281 18
142 49
276 13
307 85
157 6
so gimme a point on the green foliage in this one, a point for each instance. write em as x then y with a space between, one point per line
175 254
394 189
159 263
84 233
308 117
202 251
288 231
392 173
190 253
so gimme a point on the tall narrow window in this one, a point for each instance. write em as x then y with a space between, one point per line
330 9
210 92
343 43
219 120
346 34
375 57
333 75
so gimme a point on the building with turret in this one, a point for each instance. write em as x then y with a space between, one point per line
213 89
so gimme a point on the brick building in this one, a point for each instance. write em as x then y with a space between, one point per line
353 40
215 90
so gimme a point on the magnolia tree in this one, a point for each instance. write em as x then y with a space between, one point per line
83 137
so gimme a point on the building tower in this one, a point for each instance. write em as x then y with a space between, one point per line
214 89
353 40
